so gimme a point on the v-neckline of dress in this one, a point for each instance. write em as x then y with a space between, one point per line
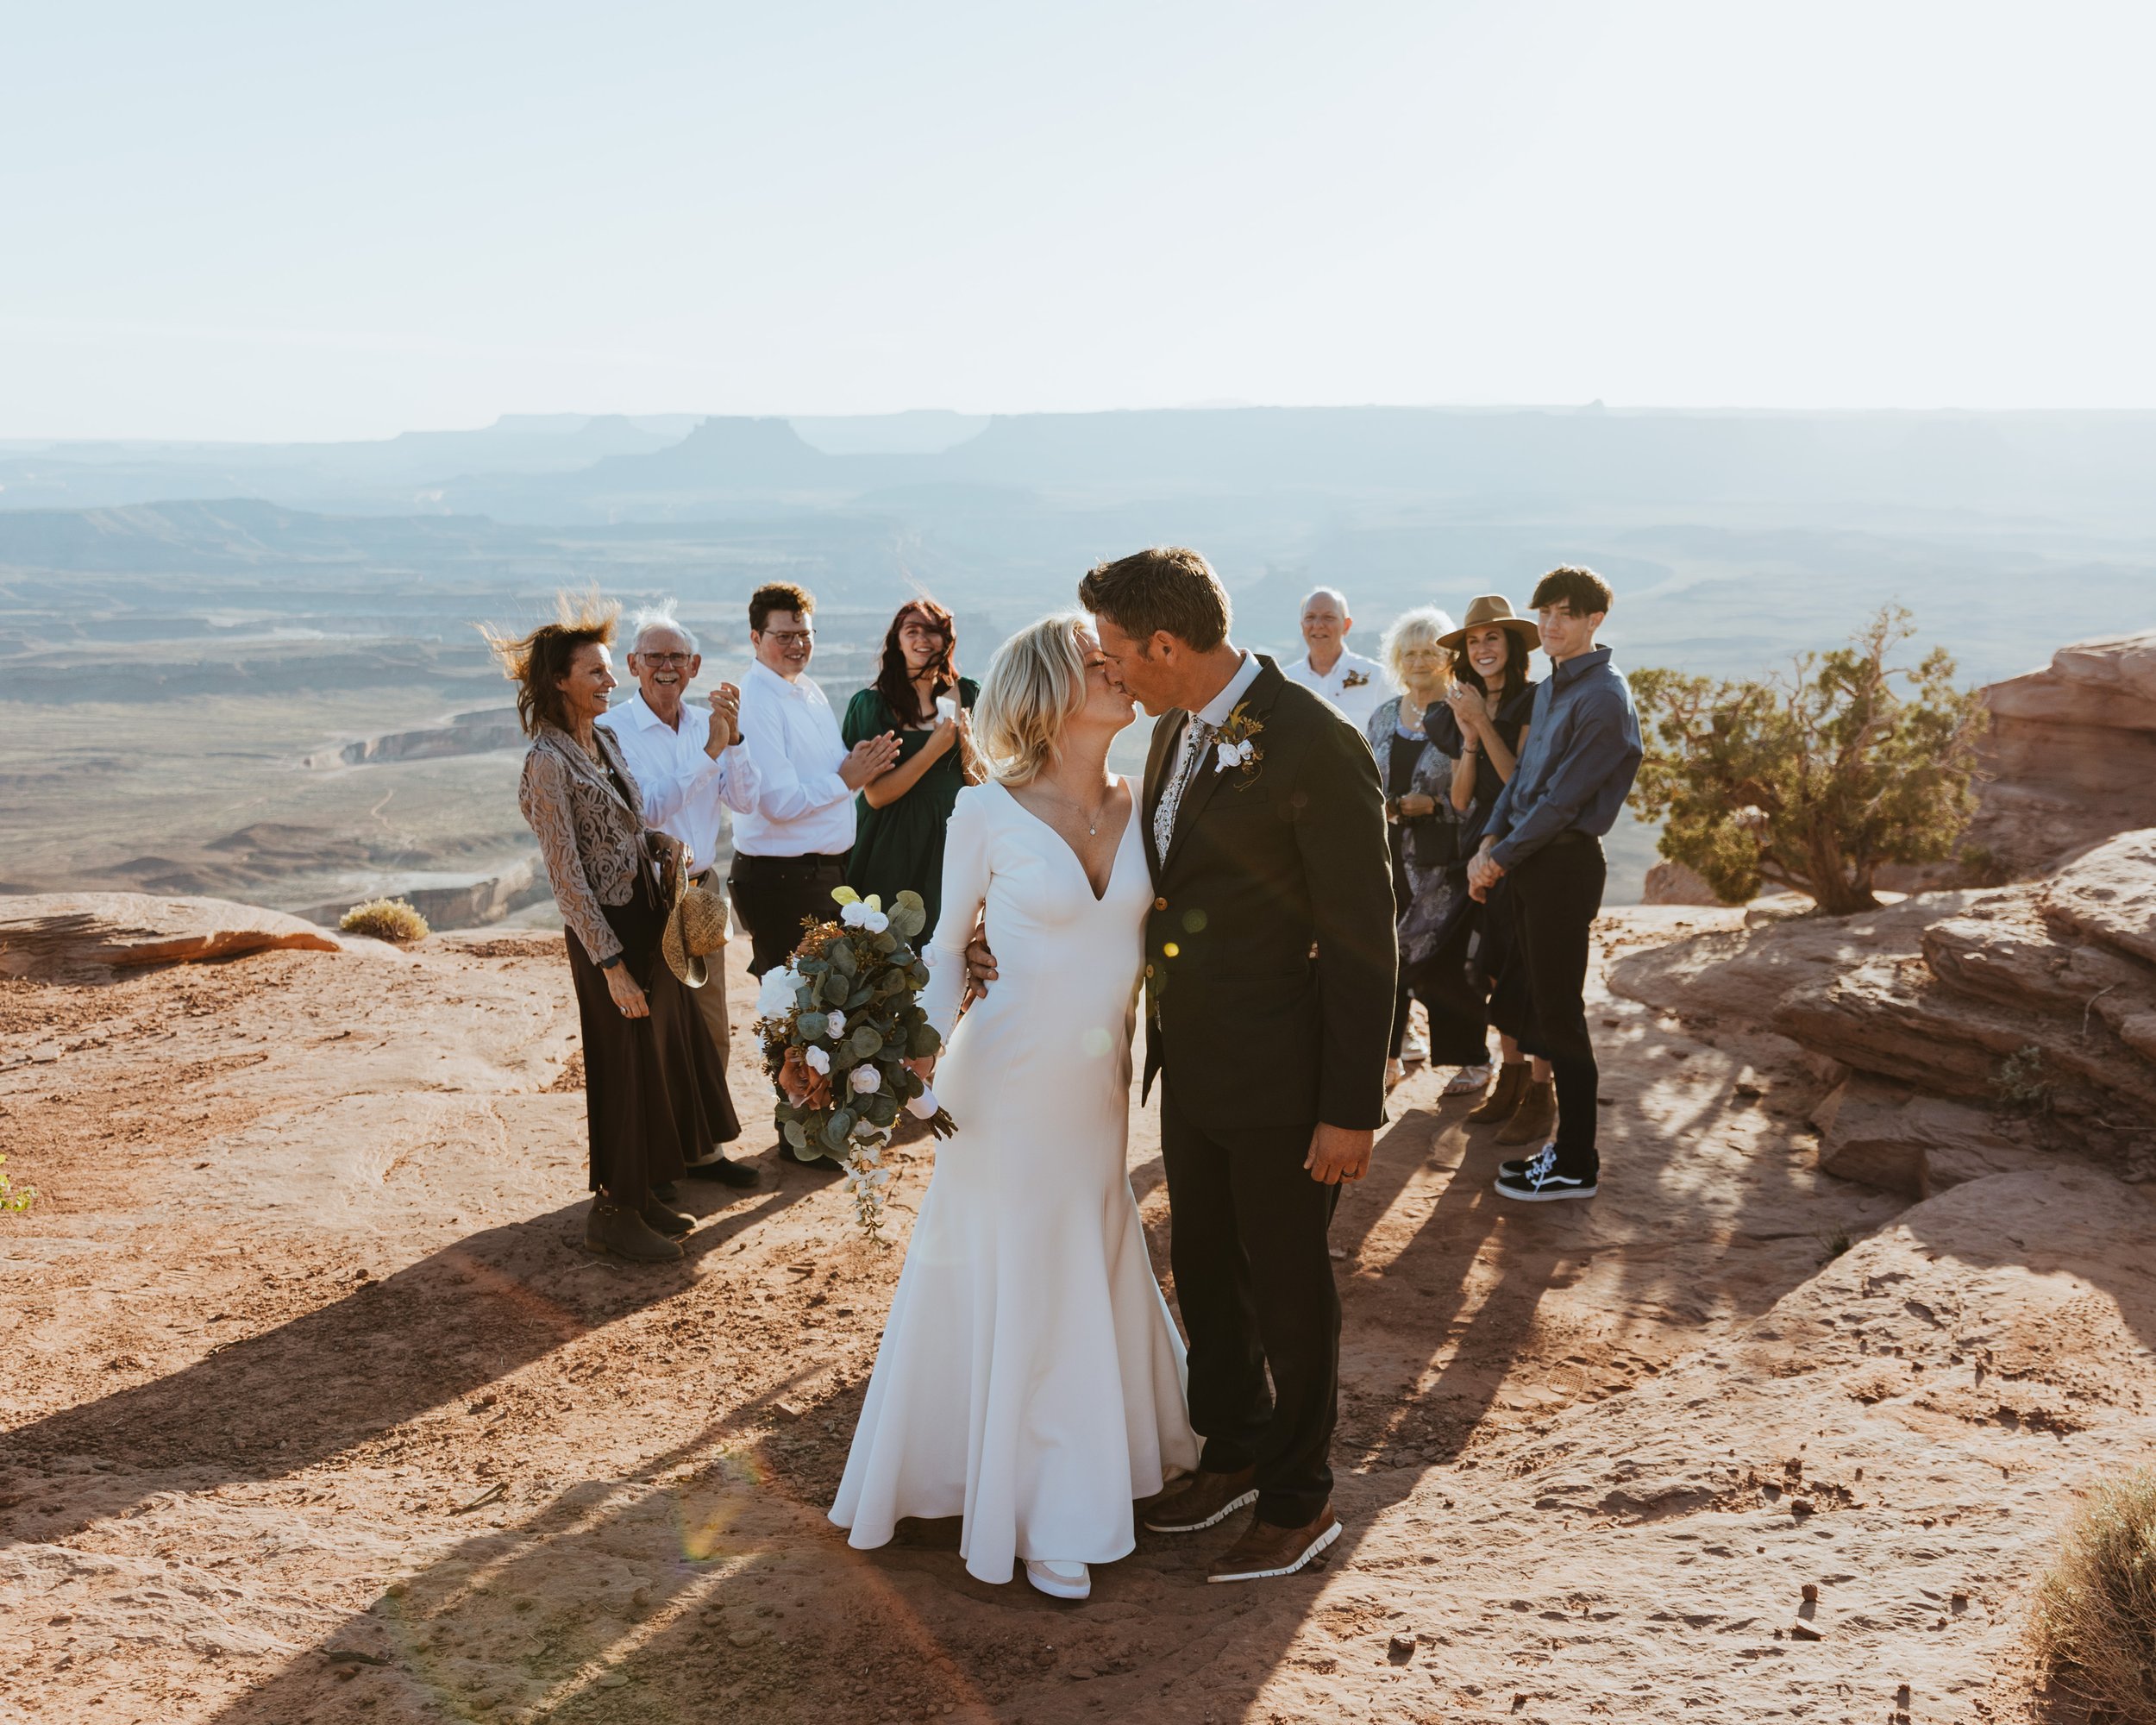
1115 858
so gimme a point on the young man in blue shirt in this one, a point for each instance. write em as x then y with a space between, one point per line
1544 835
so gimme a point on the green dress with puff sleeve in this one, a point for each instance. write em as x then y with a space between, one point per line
901 845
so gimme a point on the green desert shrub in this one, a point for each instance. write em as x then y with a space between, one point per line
1811 781
390 920
12 1197
2094 1626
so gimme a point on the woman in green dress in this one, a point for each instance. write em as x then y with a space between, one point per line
917 693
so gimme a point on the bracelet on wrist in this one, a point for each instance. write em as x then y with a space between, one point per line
608 963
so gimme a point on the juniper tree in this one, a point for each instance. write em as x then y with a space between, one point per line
1811 780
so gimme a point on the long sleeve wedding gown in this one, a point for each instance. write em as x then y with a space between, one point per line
1030 1377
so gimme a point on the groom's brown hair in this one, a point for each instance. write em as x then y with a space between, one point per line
1169 588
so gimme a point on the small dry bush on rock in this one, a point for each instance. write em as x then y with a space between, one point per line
2094 1621
390 920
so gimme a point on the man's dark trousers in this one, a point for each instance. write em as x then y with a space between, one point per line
1254 1281
1556 895
773 895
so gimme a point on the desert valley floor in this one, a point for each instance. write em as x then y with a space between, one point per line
316 1410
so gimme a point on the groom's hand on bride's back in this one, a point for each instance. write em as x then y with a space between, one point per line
981 963
1338 1154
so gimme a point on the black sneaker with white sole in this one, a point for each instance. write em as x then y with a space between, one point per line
1541 1180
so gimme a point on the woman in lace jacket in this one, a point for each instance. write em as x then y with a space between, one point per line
1429 864
654 1094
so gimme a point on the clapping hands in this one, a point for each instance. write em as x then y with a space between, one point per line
725 724
870 758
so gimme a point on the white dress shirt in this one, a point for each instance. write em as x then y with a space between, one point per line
660 754
1205 721
802 806
1355 685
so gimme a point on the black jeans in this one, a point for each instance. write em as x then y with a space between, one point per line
1254 1281
1556 894
774 895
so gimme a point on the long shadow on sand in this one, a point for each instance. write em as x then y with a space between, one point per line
345 1372
713 1584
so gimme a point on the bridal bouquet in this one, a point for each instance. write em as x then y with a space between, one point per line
837 1024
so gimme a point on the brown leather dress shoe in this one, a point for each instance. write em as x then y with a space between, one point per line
1265 1550
1201 1501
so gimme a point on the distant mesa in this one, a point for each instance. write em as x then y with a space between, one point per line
472 904
467 733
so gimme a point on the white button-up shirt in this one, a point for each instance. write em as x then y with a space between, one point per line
1212 715
802 806
1355 684
661 755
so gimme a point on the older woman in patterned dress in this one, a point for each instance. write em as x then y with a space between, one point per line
1429 866
655 1093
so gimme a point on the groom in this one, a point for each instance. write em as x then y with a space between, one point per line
1269 983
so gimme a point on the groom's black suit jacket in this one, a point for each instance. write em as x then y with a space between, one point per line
1270 951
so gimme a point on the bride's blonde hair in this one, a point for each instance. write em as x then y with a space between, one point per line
1036 682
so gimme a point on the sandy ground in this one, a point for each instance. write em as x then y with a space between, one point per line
316 1410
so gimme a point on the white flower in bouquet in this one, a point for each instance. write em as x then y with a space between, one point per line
833 1025
774 995
862 914
819 1059
866 1177
922 1107
866 1080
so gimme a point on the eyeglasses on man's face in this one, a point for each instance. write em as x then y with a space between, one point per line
790 638
665 659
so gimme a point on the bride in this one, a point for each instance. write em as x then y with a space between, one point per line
1030 1378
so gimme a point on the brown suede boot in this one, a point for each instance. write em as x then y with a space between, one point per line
1535 1116
664 1218
619 1230
1504 1096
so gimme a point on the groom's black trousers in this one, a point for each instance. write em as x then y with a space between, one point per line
1254 1281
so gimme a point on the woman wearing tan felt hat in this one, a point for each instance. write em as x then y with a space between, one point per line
1484 727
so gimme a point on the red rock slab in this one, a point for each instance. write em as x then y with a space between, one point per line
45 933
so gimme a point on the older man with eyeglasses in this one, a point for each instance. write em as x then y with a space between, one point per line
665 745
791 848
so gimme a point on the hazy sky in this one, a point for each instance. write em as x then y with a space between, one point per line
296 220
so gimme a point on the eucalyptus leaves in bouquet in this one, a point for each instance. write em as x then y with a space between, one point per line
838 1024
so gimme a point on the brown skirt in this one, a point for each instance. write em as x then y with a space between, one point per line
654 1094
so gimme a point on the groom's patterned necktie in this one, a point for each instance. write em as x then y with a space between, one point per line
1197 736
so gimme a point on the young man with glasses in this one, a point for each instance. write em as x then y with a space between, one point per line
791 848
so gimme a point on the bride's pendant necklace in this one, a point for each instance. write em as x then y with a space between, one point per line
1093 820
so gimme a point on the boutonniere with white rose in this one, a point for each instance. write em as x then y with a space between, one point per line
1235 748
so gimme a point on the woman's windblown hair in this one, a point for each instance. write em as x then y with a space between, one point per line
1035 683
537 660
895 683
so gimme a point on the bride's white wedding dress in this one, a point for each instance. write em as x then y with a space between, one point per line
1030 1378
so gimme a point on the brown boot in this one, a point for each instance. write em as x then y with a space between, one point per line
617 1229
1265 1550
664 1218
1535 1116
1504 1096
